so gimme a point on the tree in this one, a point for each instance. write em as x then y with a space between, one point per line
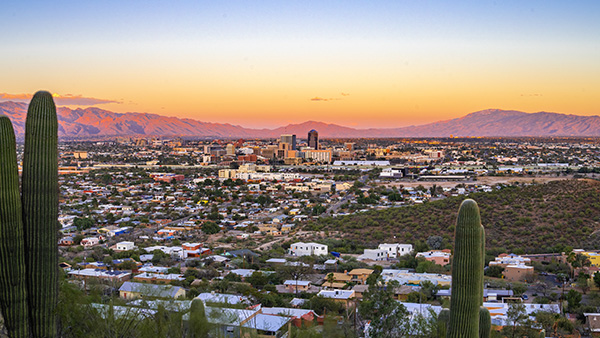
494 271
295 271
330 279
83 223
546 319
429 289
77 239
518 320
198 325
519 289
582 282
210 228
573 299
435 242
597 279
258 279
389 319
322 305
542 288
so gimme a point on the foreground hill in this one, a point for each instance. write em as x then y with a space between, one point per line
533 219
95 122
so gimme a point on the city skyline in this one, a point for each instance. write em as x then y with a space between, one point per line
267 64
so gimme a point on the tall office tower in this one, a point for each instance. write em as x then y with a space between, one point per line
289 139
313 139
230 148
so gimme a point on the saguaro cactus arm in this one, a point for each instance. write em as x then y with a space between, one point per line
13 291
467 273
40 213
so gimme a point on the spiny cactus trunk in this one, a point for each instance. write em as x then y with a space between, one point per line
442 323
485 323
40 213
13 291
485 320
467 273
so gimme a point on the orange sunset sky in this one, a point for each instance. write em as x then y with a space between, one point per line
270 63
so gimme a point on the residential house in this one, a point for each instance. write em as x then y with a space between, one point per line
66 241
341 279
308 249
404 277
440 257
131 290
300 317
243 273
517 272
297 285
116 276
222 298
125 246
396 250
238 323
594 257
592 322
489 295
360 275
359 290
158 278
90 241
505 260
343 296
374 255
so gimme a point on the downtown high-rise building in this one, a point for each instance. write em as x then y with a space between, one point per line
289 139
313 139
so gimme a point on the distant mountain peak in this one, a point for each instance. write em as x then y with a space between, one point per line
94 122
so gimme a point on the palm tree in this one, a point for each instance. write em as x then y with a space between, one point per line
330 279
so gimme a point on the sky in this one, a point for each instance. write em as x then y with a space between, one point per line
270 63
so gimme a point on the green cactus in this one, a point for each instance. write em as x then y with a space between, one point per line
485 323
198 322
485 320
467 273
442 323
13 291
40 213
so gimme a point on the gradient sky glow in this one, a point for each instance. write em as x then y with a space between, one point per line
269 63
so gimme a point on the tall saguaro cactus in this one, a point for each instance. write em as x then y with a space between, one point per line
467 273
13 293
40 213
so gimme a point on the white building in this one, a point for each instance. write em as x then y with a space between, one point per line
255 176
391 173
125 246
404 277
307 249
173 251
318 155
512 259
337 294
374 255
396 250
90 241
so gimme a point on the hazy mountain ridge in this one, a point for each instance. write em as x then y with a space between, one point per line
90 122
496 122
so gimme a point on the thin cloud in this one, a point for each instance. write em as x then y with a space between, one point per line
324 99
62 100
318 98
531 95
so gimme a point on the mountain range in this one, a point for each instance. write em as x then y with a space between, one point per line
96 122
